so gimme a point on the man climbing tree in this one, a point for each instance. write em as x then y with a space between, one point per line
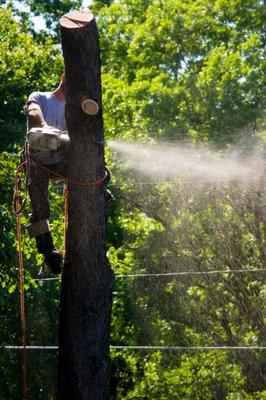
43 109
48 148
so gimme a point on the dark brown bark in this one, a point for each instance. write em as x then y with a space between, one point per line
85 309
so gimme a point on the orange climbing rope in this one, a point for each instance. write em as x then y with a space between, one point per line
71 181
18 207
65 219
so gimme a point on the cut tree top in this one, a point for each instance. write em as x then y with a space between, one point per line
76 19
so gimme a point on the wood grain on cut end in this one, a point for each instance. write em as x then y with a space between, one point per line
90 107
76 19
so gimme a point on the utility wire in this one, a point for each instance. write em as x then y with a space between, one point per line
184 273
179 273
161 348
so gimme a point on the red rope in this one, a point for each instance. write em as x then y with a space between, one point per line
71 181
18 209
65 220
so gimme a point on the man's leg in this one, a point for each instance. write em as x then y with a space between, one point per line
39 226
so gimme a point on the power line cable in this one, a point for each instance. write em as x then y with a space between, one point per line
179 273
161 348
184 273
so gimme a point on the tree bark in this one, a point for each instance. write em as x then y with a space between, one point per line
85 304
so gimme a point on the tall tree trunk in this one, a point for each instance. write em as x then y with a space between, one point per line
86 281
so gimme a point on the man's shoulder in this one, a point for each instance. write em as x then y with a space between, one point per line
38 95
40 98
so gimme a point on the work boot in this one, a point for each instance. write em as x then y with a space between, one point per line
53 258
54 261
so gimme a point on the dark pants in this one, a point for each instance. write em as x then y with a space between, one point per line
38 191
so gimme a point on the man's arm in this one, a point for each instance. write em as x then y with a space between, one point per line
35 116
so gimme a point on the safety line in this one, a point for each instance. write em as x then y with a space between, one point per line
163 348
183 273
95 183
18 209
188 347
173 184
180 273
47 279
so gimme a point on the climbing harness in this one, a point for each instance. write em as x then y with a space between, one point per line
72 182
18 205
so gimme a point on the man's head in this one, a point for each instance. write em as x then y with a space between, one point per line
60 91
62 84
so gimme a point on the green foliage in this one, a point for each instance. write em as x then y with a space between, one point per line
8 257
25 66
189 70
198 377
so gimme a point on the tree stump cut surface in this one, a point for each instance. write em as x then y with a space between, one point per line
76 19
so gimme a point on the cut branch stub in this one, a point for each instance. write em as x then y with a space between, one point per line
89 106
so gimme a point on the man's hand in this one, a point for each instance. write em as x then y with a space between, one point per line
35 116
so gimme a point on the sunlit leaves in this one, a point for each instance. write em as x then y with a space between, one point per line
25 65
207 56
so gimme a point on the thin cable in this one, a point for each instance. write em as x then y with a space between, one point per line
165 348
180 273
184 273
162 348
47 279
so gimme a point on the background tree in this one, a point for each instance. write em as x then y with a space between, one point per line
191 70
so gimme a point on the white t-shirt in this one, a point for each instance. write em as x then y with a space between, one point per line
53 109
